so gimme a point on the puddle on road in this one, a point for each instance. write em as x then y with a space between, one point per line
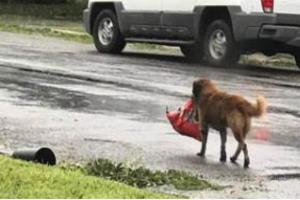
282 110
288 176
57 97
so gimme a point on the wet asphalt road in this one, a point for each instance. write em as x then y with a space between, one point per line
84 105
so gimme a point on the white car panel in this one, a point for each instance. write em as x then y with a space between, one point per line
177 5
287 6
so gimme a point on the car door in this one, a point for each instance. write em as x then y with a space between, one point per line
178 18
141 18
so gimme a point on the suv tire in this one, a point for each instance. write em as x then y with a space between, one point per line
106 33
220 49
193 53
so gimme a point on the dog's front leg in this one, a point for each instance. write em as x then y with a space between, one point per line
204 131
223 134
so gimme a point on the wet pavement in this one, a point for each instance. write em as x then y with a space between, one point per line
85 105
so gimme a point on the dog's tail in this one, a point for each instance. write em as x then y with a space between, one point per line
260 108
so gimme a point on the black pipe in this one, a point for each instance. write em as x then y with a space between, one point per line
42 155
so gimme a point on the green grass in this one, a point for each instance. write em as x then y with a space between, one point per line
68 30
20 179
70 11
142 177
277 61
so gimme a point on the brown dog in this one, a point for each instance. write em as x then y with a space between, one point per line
220 110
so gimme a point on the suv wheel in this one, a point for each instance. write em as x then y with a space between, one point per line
192 52
220 48
106 33
297 58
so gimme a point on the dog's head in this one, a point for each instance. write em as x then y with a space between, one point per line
203 87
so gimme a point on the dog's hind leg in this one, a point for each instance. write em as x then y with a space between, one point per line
237 133
246 159
237 153
204 131
245 148
242 146
223 134
240 124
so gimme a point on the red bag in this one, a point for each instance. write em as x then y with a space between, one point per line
183 121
